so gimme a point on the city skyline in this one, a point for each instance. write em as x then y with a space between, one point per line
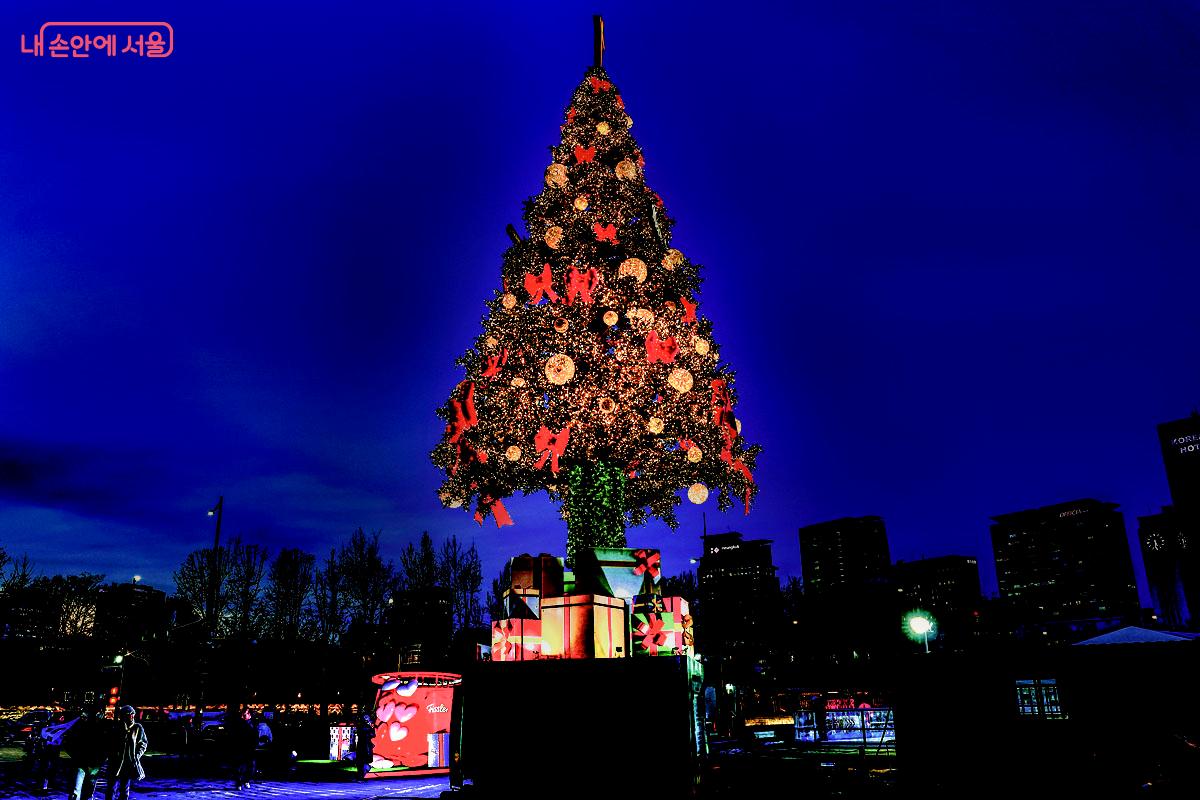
918 334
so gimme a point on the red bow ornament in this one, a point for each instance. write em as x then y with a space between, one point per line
689 309
496 507
663 350
605 233
551 445
462 412
535 285
599 85
494 363
583 154
570 115
581 284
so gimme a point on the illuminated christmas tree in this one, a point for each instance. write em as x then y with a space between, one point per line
595 378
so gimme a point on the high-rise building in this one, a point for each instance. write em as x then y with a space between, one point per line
944 582
1177 567
1066 561
739 590
844 553
1167 559
131 612
1180 441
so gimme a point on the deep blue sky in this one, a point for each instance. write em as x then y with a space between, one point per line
950 250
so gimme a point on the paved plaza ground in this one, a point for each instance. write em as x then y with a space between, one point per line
200 789
163 781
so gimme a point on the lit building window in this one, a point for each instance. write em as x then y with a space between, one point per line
1038 698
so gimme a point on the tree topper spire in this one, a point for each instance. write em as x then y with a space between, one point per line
597 41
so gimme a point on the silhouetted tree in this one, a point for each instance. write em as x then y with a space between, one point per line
419 566
15 573
239 571
367 578
328 600
247 565
193 584
73 602
289 594
462 574
495 603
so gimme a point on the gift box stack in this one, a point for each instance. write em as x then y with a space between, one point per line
661 626
610 606
517 636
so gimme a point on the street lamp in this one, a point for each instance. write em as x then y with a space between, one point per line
918 625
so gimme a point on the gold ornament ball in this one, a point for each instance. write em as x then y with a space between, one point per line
607 406
517 382
559 369
694 454
655 425
581 203
553 236
513 453
561 325
672 259
633 268
697 493
610 318
626 170
628 121
556 175
508 301
680 380
737 423
702 346
603 129
448 501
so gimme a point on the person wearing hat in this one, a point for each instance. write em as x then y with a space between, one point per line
125 753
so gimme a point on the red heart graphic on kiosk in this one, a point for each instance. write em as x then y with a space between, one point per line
405 712
386 711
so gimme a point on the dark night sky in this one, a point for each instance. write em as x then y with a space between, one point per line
951 252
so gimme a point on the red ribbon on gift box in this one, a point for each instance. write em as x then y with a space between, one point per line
647 561
652 634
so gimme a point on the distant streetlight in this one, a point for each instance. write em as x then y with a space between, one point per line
918 625
137 578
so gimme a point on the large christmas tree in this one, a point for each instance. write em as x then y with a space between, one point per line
595 377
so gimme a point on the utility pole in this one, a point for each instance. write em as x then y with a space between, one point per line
214 568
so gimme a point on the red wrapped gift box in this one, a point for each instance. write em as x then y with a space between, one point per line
516 639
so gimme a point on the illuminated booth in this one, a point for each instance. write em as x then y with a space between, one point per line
412 723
